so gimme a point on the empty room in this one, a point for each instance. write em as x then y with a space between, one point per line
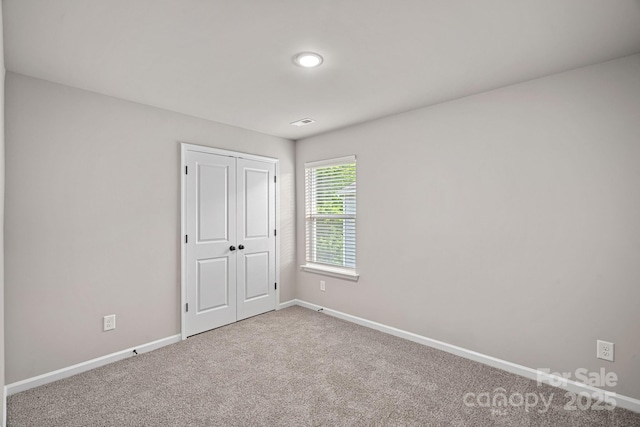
329 213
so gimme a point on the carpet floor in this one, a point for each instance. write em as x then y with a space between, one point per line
298 367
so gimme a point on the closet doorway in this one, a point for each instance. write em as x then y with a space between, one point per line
229 237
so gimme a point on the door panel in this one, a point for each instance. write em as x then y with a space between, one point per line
211 230
256 275
213 197
210 272
256 210
256 222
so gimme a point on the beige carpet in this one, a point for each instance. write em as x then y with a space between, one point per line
297 367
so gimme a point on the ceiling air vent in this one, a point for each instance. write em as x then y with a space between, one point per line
302 122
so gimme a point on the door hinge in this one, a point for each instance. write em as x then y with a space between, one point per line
275 286
274 179
186 238
187 307
186 170
275 232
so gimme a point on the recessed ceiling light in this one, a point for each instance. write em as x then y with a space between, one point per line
307 59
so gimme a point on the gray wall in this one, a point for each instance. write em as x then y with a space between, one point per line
505 223
2 74
93 221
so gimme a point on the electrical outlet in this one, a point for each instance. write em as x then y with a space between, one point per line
605 350
322 286
109 322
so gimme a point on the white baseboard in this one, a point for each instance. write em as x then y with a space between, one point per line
47 378
287 304
534 374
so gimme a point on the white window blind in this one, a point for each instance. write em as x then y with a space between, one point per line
330 205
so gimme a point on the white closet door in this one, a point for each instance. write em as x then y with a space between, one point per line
256 238
230 242
211 260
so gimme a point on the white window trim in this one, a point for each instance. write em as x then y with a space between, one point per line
341 273
326 270
330 162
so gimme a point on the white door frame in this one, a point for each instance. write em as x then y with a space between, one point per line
184 147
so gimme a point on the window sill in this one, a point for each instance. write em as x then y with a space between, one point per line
331 271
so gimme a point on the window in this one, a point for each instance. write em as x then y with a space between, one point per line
330 216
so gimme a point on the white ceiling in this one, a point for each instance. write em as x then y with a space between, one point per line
230 60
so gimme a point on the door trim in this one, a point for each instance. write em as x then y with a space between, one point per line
184 147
